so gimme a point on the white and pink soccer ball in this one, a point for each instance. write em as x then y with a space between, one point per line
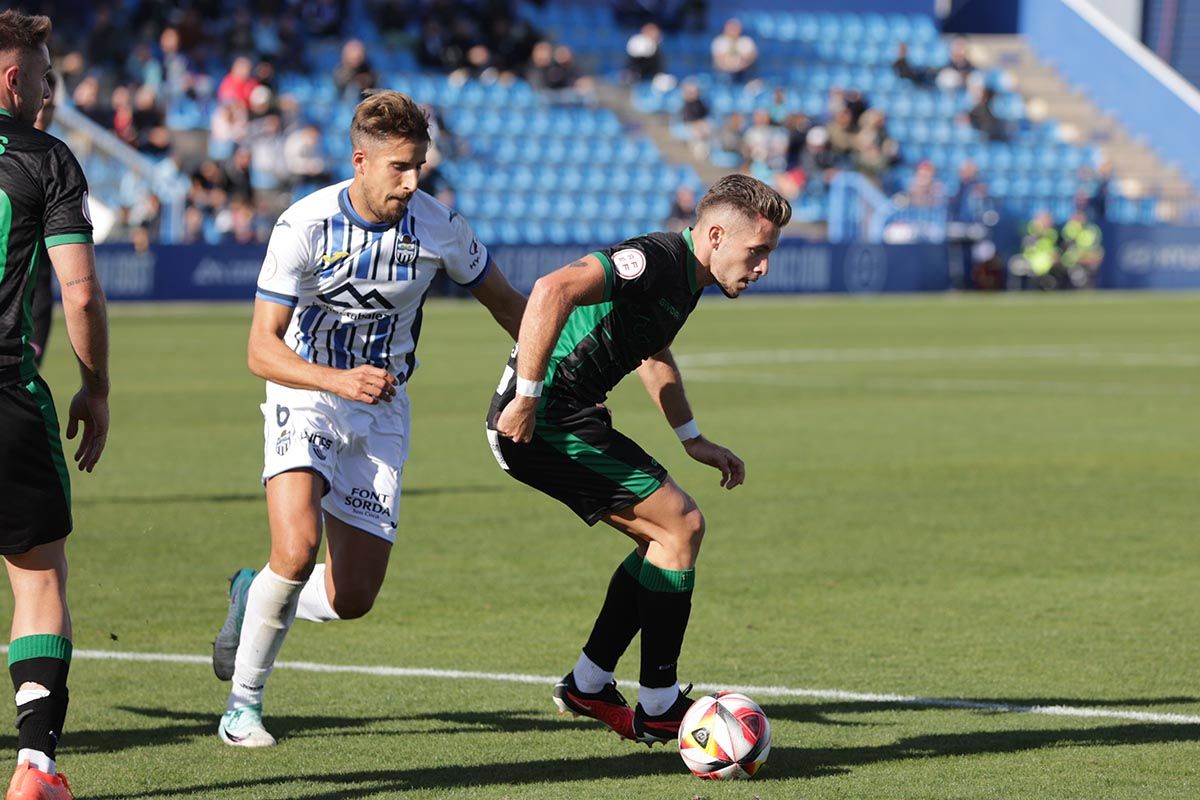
724 736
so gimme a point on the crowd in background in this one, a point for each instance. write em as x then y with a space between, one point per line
128 64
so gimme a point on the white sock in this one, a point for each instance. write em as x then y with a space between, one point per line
270 610
656 701
38 759
589 677
314 599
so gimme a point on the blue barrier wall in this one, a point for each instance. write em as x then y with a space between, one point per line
198 272
1118 80
1151 257
733 7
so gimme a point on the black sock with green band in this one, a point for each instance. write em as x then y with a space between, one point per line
664 605
43 659
618 621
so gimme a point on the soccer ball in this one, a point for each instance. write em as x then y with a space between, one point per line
725 737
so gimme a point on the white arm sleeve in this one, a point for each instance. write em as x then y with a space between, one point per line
465 258
286 269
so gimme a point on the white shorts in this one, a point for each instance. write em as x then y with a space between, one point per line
358 449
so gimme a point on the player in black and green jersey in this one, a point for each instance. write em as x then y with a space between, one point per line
586 327
43 199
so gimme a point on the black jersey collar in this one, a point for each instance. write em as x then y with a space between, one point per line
692 263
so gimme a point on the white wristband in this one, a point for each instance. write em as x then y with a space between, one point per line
688 430
529 388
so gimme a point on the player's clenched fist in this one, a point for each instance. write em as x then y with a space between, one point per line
366 384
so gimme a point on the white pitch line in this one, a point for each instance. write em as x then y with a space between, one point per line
852 355
987 386
752 691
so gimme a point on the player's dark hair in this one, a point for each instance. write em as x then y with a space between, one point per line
388 115
22 31
749 196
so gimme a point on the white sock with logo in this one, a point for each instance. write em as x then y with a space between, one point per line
270 610
314 599
589 677
657 701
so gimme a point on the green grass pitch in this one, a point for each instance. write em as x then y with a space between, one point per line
991 498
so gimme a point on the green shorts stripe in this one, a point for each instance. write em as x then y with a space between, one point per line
628 477
53 437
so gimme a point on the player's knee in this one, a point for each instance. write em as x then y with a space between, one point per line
294 561
693 527
352 605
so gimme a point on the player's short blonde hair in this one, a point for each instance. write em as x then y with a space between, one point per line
387 115
22 31
747 196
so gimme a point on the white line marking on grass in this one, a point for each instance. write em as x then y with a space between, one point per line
752 691
986 386
856 355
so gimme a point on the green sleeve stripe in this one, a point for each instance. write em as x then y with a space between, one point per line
40 645
608 274
68 238
675 581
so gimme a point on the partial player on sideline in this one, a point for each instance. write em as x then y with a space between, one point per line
587 326
336 322
43 202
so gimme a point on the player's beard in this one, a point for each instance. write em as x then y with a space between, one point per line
389 212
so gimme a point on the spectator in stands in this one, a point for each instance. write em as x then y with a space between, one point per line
984 119
107 46
841 132
871 162
819 163
764 141
149 121
906 71
644 53
238 83
779 106
694 114
683 209
564 60
727 142
228 128
239 185
925 190
872 131
734 53
266 147
856 103
510 43
304 158
178 80
797 126
122 116
958 69
143 69
354 73
1094 185
323 18
86 98
959 208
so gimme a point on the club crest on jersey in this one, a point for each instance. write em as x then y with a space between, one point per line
629 263
408 247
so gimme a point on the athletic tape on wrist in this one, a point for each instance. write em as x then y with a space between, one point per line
688 430
528 388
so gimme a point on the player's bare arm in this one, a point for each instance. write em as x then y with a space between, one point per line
504 302
270 358
660 375
87 328
552 300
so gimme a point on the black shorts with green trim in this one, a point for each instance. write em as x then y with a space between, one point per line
33 470
579 459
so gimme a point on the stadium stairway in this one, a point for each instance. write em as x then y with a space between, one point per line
656 126
1137 169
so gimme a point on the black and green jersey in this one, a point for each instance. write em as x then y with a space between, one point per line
43 196
649 291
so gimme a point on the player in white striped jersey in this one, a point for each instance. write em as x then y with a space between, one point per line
336 322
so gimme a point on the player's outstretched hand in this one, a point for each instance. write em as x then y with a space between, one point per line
92 411
518 419
366 384
733 469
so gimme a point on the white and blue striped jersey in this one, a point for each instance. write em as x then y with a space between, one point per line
357 288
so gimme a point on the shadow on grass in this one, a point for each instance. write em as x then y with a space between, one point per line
785 763
181 727
245 497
